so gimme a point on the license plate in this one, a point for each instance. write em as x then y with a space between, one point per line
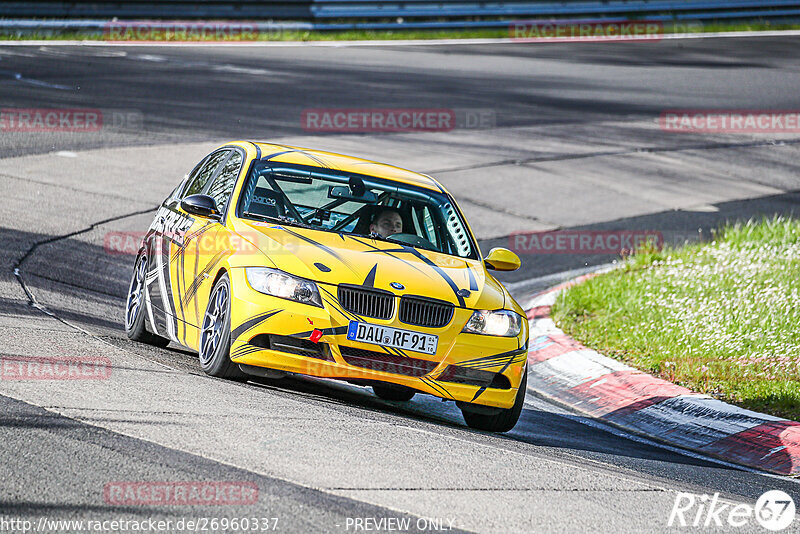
392 337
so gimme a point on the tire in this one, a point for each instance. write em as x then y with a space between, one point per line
215 334
503 421
134 306
393 393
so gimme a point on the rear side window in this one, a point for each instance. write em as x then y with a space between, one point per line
425 224
199 181
222 187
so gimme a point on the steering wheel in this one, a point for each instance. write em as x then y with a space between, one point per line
414 240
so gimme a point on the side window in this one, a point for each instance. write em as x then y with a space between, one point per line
456 231
424 223
199 181
222 187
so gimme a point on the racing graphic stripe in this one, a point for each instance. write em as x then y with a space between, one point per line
347 315
321 247
312 157
251 323
149 304
473 284
394 351
388 253
258 150
486 359
180 276
200 278
245 349
511 359
289 150
170 320
436 386
276 154
180 279
478 393
417 254
440 271
369 281
519 359
181 247
334 303
196 274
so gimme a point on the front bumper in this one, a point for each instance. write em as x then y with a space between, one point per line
460 357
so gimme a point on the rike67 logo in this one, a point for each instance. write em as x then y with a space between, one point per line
774 510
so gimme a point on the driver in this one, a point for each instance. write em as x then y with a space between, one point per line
387 222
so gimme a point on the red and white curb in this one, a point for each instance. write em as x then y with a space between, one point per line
565 371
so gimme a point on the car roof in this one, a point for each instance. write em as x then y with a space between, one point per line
330 160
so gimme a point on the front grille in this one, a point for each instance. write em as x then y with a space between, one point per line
421 311
367 302
387 363
474 377
293 345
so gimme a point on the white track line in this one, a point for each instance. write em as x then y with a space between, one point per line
399 42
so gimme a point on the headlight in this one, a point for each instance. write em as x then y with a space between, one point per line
502 323
285 286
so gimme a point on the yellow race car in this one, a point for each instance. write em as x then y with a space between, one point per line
271 259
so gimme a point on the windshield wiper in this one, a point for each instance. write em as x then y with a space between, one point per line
282 219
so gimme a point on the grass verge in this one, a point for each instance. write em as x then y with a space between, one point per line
719 317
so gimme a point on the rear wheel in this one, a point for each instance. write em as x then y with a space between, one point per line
393 393
215 334
135 304
499 421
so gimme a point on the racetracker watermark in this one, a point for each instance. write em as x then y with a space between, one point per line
365 120
568 30
180 493
76 120
176 30
130 243
774 510
729 121
585 241
54 368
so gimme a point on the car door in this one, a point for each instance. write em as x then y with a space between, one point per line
205 245
179 242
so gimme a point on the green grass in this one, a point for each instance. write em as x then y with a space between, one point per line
721 317
361 35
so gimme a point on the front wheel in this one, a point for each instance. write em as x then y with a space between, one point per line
501 421
215 334
135 304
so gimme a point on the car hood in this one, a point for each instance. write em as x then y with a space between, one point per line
333 258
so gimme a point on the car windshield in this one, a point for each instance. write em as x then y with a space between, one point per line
355 204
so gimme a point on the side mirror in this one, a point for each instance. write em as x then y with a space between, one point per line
202 206
502 259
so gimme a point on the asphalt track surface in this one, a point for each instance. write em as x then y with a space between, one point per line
573 145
